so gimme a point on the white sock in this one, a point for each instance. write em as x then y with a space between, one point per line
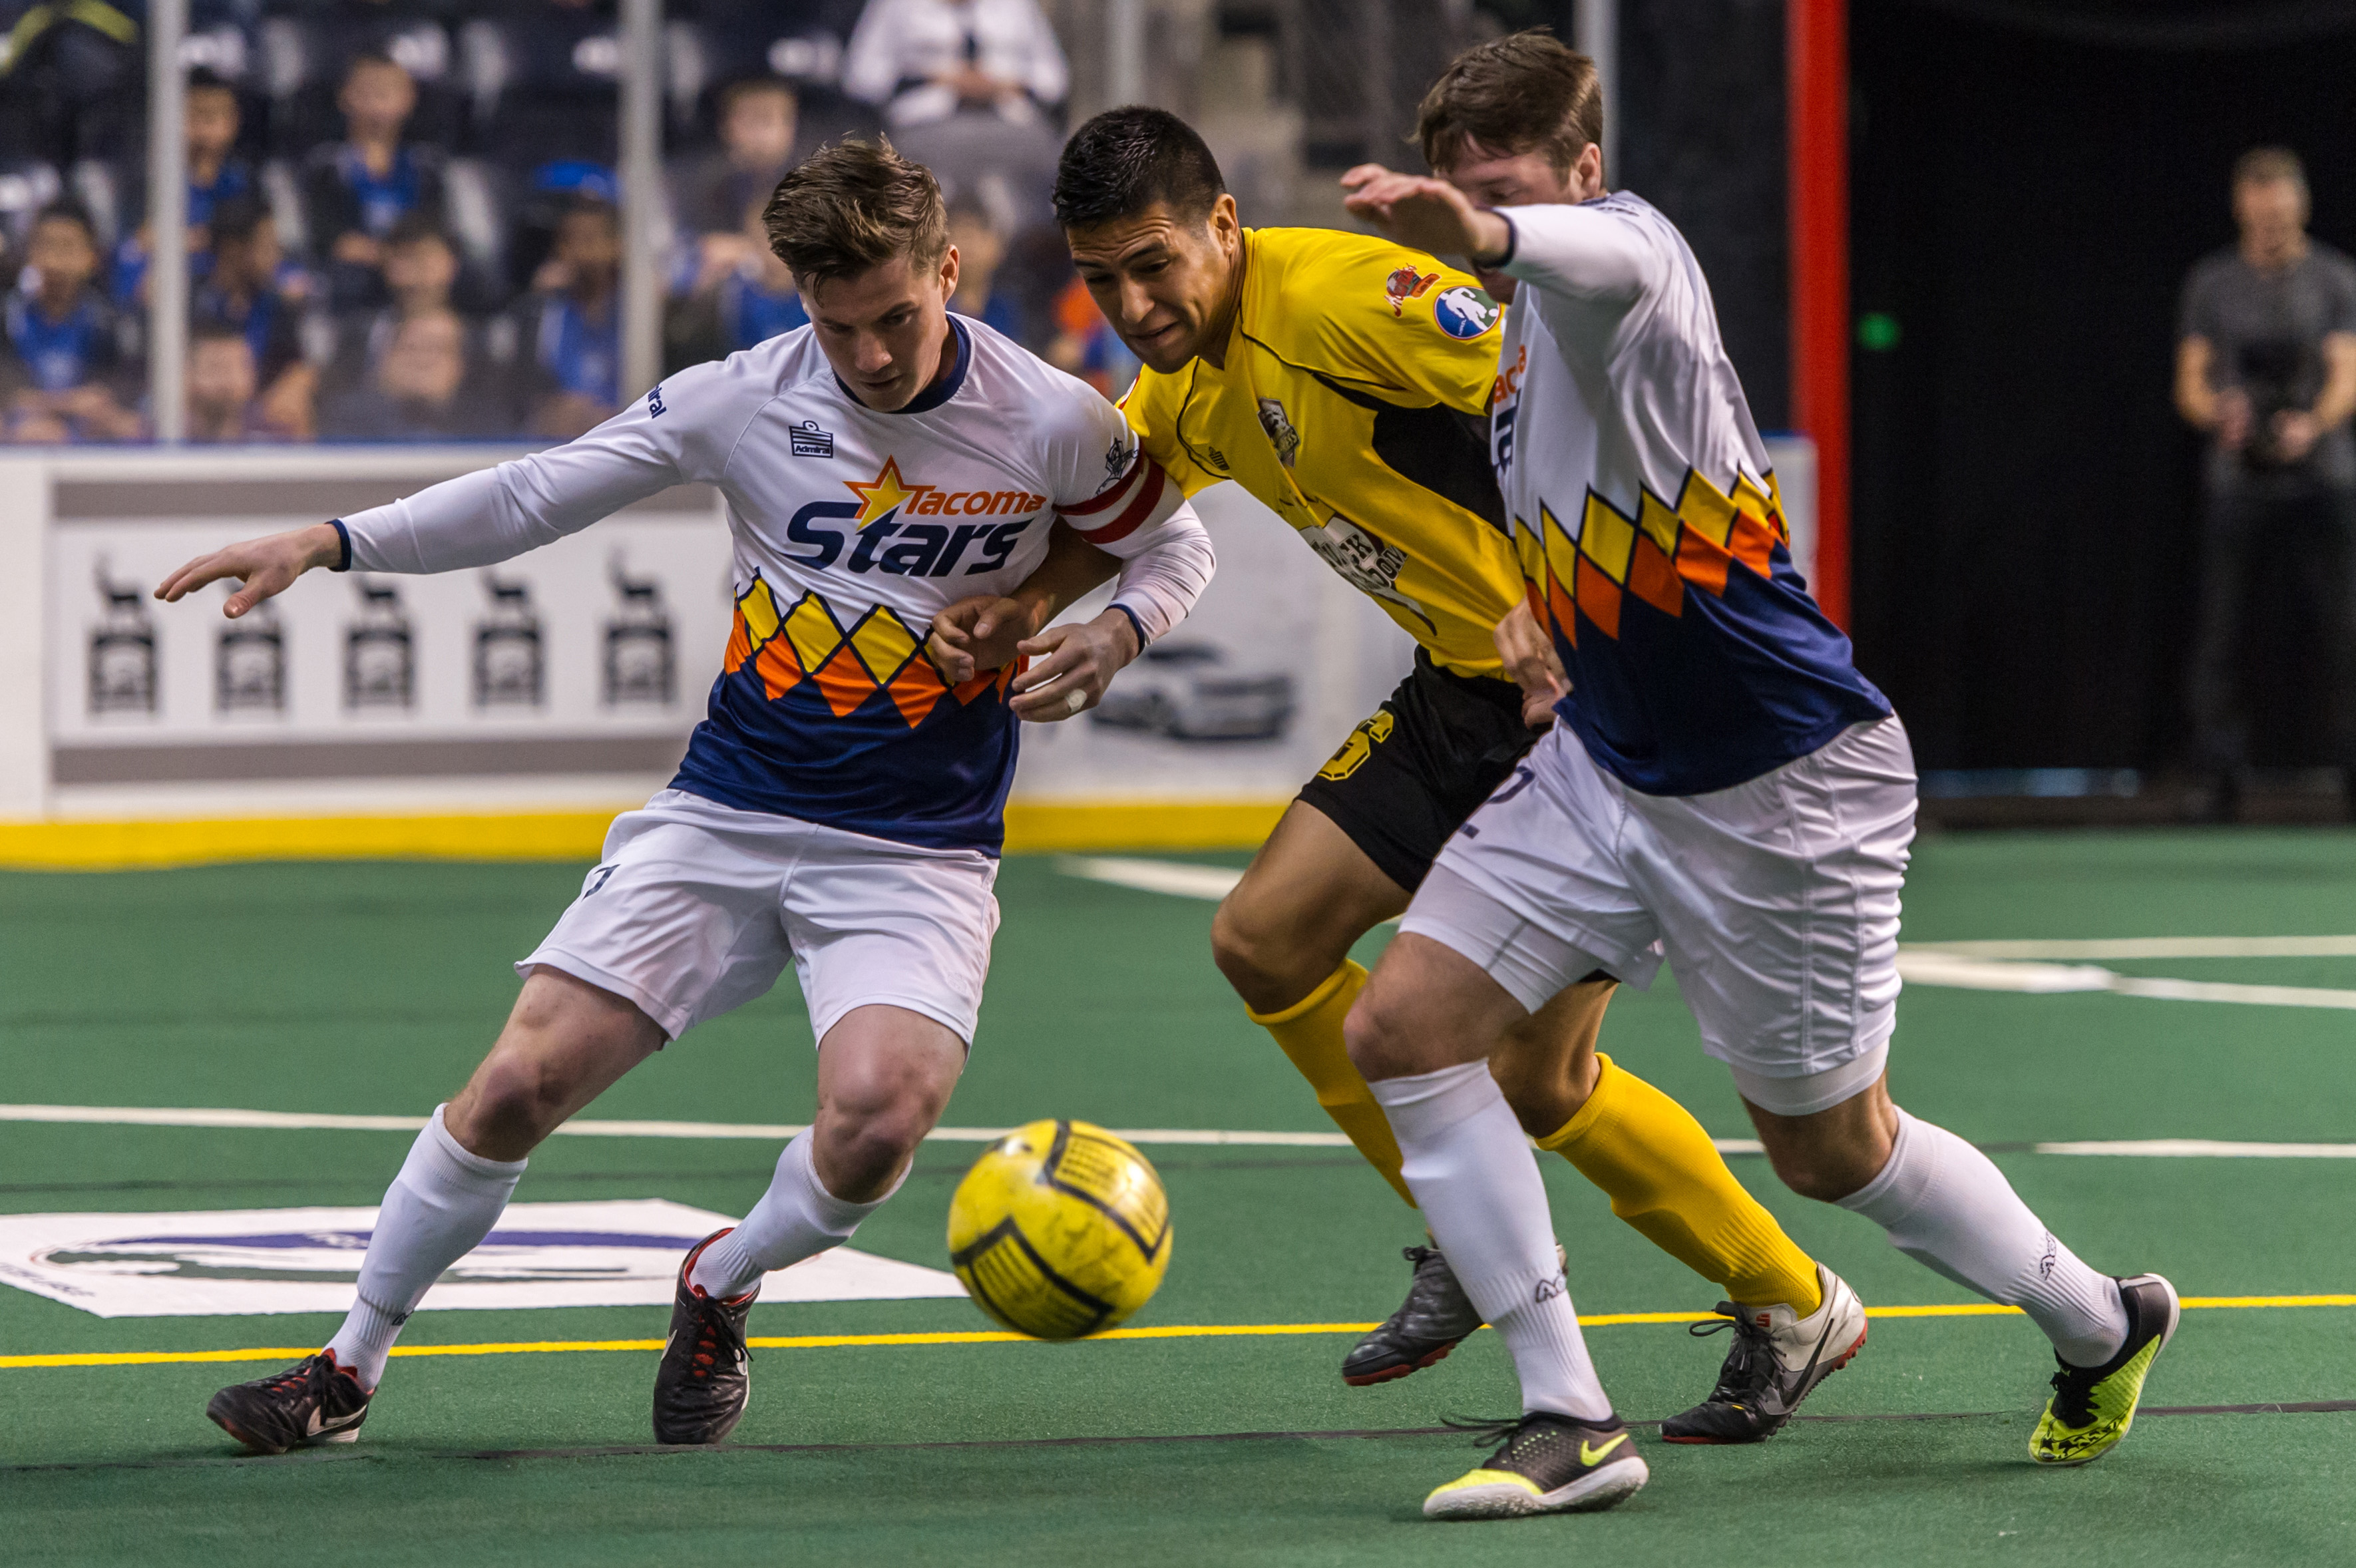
1471 1169
1945 1204
796 1219
438 1209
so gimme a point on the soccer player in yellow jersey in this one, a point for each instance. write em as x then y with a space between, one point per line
1345 382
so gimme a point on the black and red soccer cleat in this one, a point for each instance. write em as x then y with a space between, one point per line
705 1378
316 1400
1427 1325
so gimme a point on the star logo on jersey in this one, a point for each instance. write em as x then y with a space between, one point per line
1405 284
882 496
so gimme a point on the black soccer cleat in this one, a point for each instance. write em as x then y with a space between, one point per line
1435 1315
316 1400
1777 1360
705 1378
1544 1464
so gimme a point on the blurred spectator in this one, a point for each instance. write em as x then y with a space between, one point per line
221 385
750 300
63 371
422 273
758 119
211 120
1086 346
568 329
2266 366
923 60
250 288
981 251
355 190
74 80
422 388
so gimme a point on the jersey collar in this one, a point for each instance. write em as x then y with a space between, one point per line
941 392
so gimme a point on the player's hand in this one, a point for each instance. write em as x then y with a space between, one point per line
1531 661
264 567
1071 666
984 632
1429 214
2295 432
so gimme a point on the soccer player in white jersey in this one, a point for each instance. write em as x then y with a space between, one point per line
1724 789
841 807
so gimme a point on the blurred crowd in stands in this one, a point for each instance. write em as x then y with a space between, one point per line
403 219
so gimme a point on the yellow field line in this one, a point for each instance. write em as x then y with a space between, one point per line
993 1337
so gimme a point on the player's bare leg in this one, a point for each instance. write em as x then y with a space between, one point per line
566 1042
1423 1032
884 1075
1282 937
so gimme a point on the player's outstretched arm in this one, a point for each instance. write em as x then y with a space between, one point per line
264 567
1429 214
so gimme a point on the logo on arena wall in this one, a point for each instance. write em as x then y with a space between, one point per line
249 663
380 650
1465 312
1405 284
640 666
509 670
121 650
256 1261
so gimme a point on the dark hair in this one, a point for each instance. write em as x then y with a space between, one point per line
415 227
67 211
205 78
236 219
2263 165
746 86
853 205
580 202
1126 160
1527 91
213 330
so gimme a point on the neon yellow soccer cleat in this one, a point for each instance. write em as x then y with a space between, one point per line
1546 1464
2092 1407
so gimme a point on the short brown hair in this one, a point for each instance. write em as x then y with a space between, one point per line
855 205
2263 165
1527 91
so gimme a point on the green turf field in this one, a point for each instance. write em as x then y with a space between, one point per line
372 989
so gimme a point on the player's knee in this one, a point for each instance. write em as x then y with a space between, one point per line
1381 1044
510 1107
1262 964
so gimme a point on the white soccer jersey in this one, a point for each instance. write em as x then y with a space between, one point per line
852 527
1646 517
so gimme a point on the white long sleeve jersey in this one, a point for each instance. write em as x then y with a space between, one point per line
852 527
1649 528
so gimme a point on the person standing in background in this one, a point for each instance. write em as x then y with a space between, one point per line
2266 365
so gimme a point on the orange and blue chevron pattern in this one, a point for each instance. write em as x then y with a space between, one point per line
877 652
1653 555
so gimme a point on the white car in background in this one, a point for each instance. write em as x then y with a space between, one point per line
1188 691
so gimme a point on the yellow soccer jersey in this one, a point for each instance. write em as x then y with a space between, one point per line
1354 402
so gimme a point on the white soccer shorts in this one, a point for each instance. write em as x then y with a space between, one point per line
1775 902
696 907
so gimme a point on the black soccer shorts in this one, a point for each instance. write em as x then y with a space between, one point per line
1409 777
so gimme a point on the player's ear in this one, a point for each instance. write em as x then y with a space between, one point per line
948 272
1226 227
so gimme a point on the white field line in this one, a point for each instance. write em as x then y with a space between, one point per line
168 1116
2154 947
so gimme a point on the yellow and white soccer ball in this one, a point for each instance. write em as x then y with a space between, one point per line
1060 1230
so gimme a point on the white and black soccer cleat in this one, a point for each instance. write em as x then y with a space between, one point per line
316 1400
705 1378
1777 1360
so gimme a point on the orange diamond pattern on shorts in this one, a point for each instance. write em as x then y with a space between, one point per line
881 652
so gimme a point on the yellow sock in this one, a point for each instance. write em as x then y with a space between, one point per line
1310 1032
1666 1178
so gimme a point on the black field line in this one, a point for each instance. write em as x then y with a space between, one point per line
661 1450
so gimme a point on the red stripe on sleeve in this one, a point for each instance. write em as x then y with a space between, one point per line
1110 493
1148 498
